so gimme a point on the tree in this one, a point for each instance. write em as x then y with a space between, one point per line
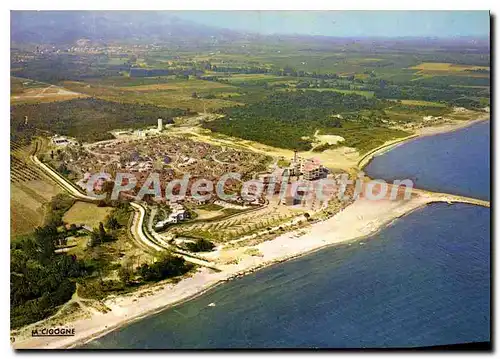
94 239
73 229
201 245
112 223
97 256
40 279
336 123
97 236
167 266
102 232
125 274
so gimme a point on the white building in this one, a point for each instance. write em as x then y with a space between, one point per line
60 141
177 216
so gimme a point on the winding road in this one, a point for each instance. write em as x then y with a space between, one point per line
157 243
151 240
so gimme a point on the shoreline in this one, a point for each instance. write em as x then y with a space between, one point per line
419 133
358 221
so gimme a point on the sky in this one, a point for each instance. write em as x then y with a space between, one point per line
349 23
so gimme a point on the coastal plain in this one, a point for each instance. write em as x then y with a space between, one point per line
298 108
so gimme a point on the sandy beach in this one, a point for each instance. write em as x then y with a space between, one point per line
356 222
421 132
450 127
359 220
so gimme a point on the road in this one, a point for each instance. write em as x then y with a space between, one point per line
157 243
61 181
152 241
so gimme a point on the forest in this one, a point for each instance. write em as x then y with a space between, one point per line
43 280
455 96
86 119
290 119
40 279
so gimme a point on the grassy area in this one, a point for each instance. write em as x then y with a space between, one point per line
30 192
29 91
124 81
365 138
27 205
446 67
239 79
19 85
26 212
422 103
45 98
181 85
283 163
188 95
367 94
86 213
210 207
222 214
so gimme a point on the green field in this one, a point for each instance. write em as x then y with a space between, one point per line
422 103
187 95
367 94
404 82
330 98
86 213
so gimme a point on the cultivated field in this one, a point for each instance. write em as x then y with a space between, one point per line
30 191
367 94
422 103
188 86
27 203
428 69
447 67
188 95
238 225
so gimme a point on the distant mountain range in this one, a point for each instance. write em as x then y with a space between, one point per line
66 27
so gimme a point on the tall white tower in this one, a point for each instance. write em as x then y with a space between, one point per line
160 124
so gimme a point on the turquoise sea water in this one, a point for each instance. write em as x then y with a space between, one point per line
424 280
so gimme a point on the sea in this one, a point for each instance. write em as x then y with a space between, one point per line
455 162
422 281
